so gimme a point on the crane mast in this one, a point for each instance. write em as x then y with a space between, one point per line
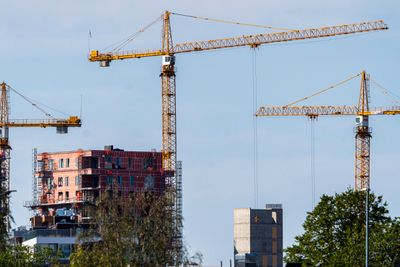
168 117
168 85
363 137
61 126
362 130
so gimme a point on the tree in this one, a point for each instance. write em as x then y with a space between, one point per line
137 230
334 233
25 256
5 217
196 259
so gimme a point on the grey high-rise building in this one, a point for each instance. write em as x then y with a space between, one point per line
258 237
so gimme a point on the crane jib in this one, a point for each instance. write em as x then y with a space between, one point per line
250 40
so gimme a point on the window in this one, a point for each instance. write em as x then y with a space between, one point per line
76 162
60 196
264 260
118 162
66 181
274 260
51 164
94 162
77 181
274 247
109 180
95 181
61 163
50 183
120 180
67 196
108 162
54 247
39 165
274 232
130 163
148 163
65 250
132 180
60 181
149 182
67 162
264 246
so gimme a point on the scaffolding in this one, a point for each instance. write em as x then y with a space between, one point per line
35 177
179 195
178 205
4 162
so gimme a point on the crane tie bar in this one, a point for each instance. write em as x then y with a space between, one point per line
234 22
323 90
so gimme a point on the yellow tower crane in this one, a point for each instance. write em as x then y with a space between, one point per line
363 132
5 148
168 85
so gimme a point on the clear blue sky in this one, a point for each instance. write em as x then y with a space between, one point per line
44 50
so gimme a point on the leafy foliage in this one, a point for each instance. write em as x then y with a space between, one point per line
5 218
196 259
136 230
334 233
25 256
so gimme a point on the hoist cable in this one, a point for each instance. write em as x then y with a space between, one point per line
312 161
255 126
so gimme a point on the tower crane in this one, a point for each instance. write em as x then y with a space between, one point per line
61 126
362 130
168 85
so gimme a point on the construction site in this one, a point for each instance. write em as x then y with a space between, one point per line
224 148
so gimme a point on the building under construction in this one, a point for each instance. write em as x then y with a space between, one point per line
64 183
69 180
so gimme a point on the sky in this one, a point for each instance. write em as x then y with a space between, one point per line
44 56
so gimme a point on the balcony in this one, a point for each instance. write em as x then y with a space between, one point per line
72 232
49 202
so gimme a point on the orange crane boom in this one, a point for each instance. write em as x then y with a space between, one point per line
315 111
250 40
72 121
363 131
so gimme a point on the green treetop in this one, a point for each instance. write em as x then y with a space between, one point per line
334 233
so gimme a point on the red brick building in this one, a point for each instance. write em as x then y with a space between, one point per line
68 180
